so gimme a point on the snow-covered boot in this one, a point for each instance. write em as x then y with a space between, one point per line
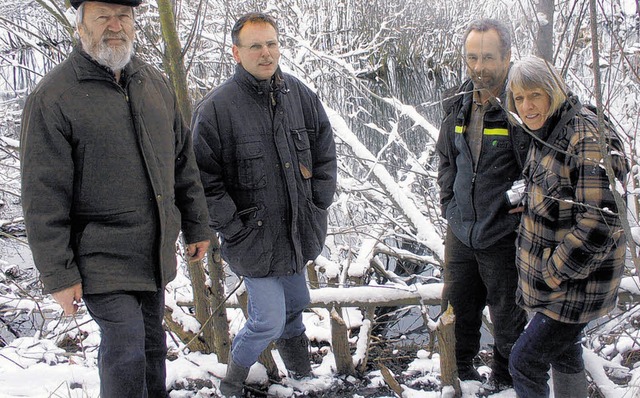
569 385
232 384
295 355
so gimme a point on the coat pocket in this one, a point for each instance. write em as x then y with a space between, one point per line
543 196
303 151
245 251
313 230
251 165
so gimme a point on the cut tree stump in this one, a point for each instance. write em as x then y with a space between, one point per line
340 345
447 347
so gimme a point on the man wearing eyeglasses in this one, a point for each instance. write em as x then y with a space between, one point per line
267 161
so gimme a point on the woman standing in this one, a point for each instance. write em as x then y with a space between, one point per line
571 245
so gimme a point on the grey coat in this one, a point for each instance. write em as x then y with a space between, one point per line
108 178
268 165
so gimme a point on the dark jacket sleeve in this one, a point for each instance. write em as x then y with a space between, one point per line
324 160
189 193
208 152
47 193
447 163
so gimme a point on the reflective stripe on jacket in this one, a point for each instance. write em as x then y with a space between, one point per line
473 200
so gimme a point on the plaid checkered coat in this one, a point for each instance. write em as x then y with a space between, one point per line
571 245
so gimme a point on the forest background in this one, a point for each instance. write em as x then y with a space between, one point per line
380 67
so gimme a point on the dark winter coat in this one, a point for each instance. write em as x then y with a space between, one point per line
571 244
472 200
268 165
108 178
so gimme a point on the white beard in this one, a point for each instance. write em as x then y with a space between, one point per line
115 58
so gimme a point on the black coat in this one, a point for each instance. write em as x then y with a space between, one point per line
268 165
108 178
472 199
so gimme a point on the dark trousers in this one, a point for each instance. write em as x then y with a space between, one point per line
475 278
543 344
133 349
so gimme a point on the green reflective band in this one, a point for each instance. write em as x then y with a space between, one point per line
460 129
503 132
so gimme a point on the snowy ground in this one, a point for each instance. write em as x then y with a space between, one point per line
38 367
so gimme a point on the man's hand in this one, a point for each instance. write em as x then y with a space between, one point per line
69 299
196 251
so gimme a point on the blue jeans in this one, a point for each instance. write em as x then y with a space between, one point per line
275 311
544 343
475 278
133 349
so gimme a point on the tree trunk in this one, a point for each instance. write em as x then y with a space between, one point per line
340 345
447 345
202 304
174 67
221 342
544 37
604 149
173 60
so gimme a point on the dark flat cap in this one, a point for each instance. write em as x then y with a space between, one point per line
132 3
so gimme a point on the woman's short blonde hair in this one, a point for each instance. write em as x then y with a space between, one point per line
532 72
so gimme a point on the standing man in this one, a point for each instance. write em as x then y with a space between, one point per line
267 159
108 179
480 158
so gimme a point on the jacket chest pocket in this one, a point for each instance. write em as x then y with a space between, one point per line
251 165
544 194
303 152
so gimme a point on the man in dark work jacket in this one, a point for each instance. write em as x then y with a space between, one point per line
108 180
480 158
266 153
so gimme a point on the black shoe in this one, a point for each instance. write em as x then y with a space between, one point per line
469 373
493 386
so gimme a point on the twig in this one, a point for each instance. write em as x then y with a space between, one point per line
199 332
390 380
11 360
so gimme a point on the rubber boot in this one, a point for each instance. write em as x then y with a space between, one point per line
295 355
232 384
569 385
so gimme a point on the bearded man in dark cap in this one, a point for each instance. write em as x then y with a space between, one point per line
108 180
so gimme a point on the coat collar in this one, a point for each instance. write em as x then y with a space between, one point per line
462 98
260 87
556 122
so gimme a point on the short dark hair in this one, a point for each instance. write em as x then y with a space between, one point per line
252 17
483 25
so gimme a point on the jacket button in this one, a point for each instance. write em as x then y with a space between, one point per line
159 197
287 165
259 223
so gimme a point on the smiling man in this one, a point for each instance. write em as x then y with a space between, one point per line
480 158
267 158
108 180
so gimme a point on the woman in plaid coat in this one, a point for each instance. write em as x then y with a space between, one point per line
571 244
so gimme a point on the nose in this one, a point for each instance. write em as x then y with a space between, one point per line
477 66
114 24
527 104
265 51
